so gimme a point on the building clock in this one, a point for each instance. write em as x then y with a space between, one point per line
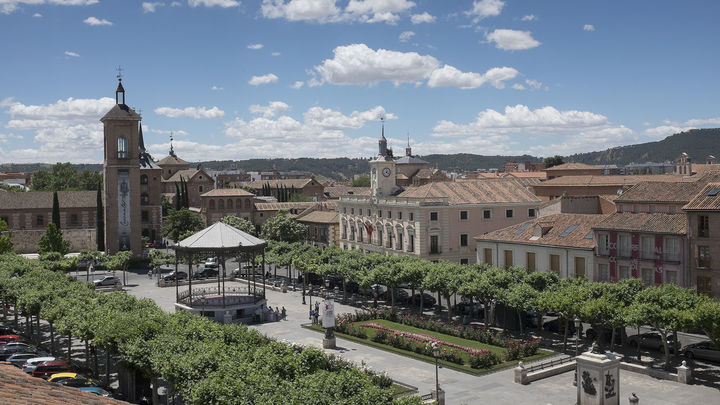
386 172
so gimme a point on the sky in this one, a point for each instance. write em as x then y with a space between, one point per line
241 79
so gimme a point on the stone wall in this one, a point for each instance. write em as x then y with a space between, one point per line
26 241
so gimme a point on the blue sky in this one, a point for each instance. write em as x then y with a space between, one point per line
311 78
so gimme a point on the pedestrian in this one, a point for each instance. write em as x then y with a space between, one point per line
312 316
317 314
277 314
283 312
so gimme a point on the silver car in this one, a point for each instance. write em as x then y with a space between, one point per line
18 359
702 350
107 281
31 364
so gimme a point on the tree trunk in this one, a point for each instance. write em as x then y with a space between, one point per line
107 367
96 369
392 296
422 301
39 339
663 339
520 320
28 326
439 302
344 290
69 356
565 335
676 353
52 339
15 312
612 339
87 355
412 293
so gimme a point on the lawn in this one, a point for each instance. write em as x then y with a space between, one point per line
429 359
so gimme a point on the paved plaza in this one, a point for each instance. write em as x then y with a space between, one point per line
460 388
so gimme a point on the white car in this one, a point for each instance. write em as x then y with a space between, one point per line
211 262
107 281
31 364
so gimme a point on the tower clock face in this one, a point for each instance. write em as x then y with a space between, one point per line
386 172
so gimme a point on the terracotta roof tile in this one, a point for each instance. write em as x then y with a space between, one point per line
610 180
44 199
573 166
488 191
297 183
172 160
322 217
569 230
283 205
660 192
186 174
337 191
227 192
708 199
18 387
675 224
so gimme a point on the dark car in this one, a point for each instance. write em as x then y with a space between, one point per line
205 272
401 296
181 275
607 334
428 300
47 368
702 350
11 348
8 338
558 326
337 281
652 340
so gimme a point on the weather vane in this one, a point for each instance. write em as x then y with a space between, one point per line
119 75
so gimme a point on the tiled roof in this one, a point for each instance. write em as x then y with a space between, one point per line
337 191
410 160
609 180
533 175
121 112
573 166
283 205
570 230
297 183
186 174
674 224
322 217
172 160
44 199
488 191
660 192
18 387
708 199
227 192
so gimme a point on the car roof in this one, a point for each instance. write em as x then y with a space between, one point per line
54 363
10 336
63 375
40 359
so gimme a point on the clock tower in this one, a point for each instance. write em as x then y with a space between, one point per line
121 176
382 170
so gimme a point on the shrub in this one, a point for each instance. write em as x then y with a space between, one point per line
484 359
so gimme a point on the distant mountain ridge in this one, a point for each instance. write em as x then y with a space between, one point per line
697 143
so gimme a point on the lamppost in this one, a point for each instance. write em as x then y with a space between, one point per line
436 354
577 334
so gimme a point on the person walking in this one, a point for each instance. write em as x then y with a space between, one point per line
283 312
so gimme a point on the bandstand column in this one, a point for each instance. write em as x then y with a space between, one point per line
263 270
177 292
222 258
190 263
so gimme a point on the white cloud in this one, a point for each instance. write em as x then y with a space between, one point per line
150 7
175 4
274 108
406 36
192 112
264 79
673 127
72 54
512 40
9 6
297 85
95 21
518 86
216 88
485 8
319 11
255 46
174 132
213 3
534 84
589 140
372 11
37 15
275 54
358 64
589 27
520 119
449 76
529 17
422 18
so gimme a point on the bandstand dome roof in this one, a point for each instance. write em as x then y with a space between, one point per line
221 237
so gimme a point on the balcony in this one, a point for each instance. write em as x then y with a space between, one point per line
435 251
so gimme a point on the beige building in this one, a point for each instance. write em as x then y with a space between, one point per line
323 224
197 180
221 202
310 188
433 221
573 169
703 215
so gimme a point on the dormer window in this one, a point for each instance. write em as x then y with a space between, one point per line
122 148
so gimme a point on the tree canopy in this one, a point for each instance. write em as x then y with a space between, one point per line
52 241
65 177
180 222
283 228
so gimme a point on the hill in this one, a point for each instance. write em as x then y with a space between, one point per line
698 143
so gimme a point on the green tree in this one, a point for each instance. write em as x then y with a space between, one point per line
283 228
706 316
239 223
179 222
56 210
6 245
52 241
362 180
556 160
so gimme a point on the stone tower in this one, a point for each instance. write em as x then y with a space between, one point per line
382 170
121 176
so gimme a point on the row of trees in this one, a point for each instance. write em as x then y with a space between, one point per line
667 308
65 176
206 362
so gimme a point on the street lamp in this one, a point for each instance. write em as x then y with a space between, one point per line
436 354
577 334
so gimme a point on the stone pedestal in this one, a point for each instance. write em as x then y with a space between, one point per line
227 317
439 396
520 373
684 374
598 379
329 343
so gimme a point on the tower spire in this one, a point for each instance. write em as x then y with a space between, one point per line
382 143
120 89
408 150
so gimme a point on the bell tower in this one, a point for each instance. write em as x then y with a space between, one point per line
121 176
382 170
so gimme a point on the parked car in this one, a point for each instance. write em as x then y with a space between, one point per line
181 275
205 272
401 296
8 338
702 350
558 326
8 349
212 262
607 332
96 390
107 281
31 363
18 359
428 300
8 331
652 340
74 380
47 368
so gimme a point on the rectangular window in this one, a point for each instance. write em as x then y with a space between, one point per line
530 261
463 215
508 213
704 285
40 220
463 239
73 219
399 241
603 244
624 272
508 258
487 256
200 189
647 276
603 272
671 277
579 267
624 246
352 211
412 216
463 261
379 237
411 243
487 214
379 213
389 214
555 264
360 211
434 244
672 250
400 215
648 247
704 256
703 226
144 216
433 216
122 148
531 213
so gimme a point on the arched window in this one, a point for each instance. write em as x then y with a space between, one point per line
247 203
144 179
212 205
144 199
229 204
221 204
122 148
